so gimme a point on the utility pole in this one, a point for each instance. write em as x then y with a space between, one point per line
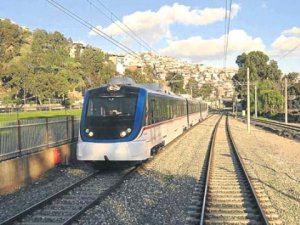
248 101
233 98
236 107
255 96
285 101
24 93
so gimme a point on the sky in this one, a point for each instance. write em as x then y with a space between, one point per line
189 30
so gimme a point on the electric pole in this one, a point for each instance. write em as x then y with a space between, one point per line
248 101
286 100
255 96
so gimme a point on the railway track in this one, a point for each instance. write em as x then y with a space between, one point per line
278 124
67 205
282 129
224 193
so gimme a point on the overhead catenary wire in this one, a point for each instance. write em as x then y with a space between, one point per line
97 31
125 28
289 52
93 28
227 32
131 31
117 23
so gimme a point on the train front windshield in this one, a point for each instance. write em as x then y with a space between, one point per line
110 115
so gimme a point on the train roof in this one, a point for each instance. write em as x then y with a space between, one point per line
154 88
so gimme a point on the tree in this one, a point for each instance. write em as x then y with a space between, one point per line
149 73
49 50
269 97
273 72
206 90
136 75
259 66
91 62
11 39
176 82
292 77
108 71
38 64
192 87
263 72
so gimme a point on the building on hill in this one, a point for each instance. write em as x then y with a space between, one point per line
77 48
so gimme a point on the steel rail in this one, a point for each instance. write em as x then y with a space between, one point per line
46 200
278 124
99 198
244 171
275 123
211 147
240 164
102 196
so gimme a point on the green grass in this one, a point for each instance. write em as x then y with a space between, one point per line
10 117
264 118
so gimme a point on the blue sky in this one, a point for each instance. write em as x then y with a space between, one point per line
192 30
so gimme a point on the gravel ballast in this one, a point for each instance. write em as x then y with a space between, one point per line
276 162
51 182
160 192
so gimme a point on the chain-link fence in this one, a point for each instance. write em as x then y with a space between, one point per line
31 135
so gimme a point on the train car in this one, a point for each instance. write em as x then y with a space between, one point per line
126 122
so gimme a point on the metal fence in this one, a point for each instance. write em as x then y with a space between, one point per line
32 135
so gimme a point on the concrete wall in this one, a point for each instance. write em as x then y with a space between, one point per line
20 171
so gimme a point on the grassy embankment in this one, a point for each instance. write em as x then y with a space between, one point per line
10 117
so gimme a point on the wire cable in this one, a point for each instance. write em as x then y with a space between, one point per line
289 52
93 28
227 33
116 23
145 44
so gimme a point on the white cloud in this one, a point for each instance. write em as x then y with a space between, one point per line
263 5
284 43
199 49
287 43
292 31
95 31
154 26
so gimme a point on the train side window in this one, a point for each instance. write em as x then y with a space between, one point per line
152 111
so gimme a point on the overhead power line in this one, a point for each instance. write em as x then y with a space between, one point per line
289 52
93 28
227 32
124 27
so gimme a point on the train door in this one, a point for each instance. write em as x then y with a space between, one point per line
201 111
187 113
152 111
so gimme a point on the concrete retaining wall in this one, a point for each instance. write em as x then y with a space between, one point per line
17 172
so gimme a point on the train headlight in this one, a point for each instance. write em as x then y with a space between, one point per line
123 134
91 134
128 130
87 131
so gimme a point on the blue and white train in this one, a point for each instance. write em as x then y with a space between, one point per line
122 122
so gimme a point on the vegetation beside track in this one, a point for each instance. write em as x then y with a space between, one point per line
9 117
